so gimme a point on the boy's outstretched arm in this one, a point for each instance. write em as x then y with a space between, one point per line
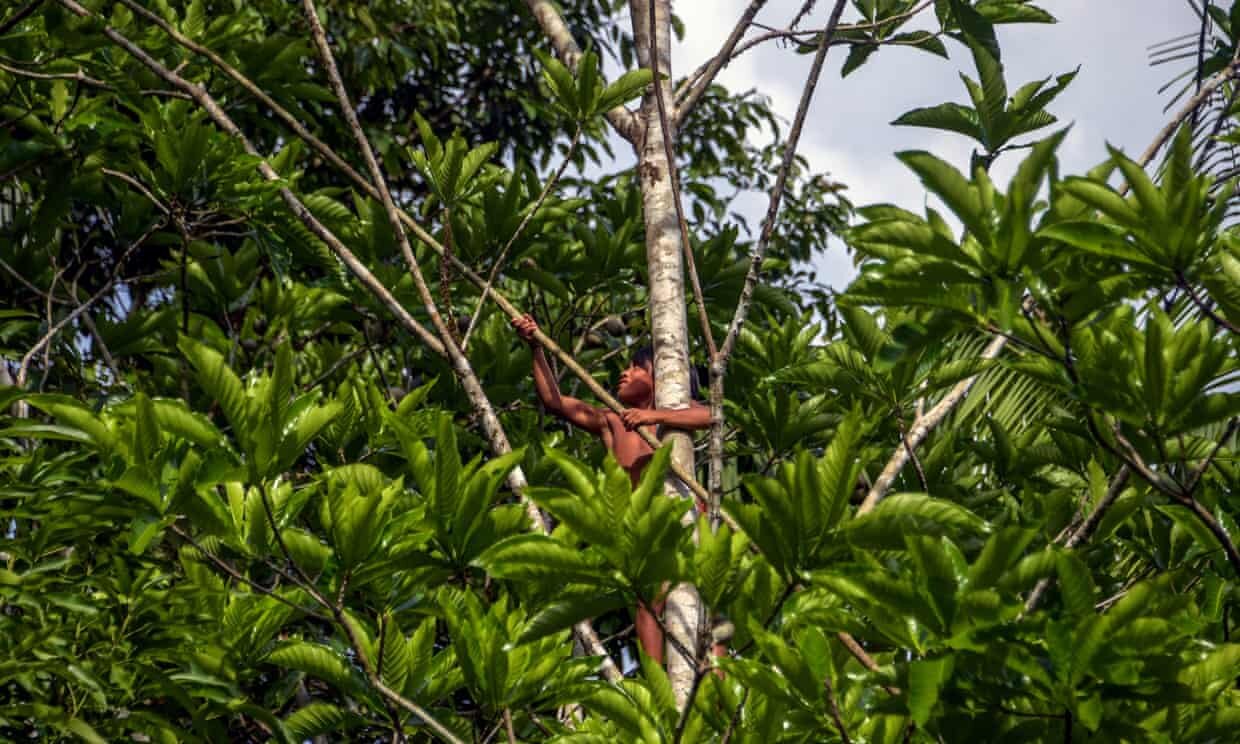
696 416
575 411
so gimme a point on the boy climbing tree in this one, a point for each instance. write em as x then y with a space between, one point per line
619 434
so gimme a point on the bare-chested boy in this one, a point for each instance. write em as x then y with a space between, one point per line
619 433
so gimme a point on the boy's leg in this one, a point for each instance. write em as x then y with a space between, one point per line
649 633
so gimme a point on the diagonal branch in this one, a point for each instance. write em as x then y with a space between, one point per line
781 182
1084 531
707 76
19 15
719 360
624 121
921 429
503 254
1187 110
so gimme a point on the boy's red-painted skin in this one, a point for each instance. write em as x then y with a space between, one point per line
619 433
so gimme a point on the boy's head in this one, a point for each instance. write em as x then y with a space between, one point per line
636 386
637 380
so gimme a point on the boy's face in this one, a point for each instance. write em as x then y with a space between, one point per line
636 385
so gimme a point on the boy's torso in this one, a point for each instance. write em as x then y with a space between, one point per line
628 447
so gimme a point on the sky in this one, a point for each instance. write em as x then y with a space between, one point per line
848 133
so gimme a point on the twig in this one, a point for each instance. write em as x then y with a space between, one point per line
921 473
512 735
1191 484
685 712
703 81
141 187
78 76
24 366
736 718
503 254
1184 498
1083 532
1203 306
833 707
781 181
921 429
866 660
1207 89
18 16
227 568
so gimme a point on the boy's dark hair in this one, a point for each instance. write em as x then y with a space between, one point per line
644 357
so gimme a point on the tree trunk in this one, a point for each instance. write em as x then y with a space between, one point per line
669 327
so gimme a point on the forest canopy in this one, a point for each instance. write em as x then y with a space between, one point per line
273 466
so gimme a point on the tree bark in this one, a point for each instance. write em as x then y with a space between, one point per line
669 323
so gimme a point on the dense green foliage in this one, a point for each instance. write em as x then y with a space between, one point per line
241 503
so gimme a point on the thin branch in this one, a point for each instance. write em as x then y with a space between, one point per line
736 718
236 575
1207 89
19 16
24 367
1204 306
141 188
624 121
833 706
921 429
716 63
503 254
912 454
690 85
1191 484
1137 463
781 181
512 735
866 660
79 76
1083 532
699 673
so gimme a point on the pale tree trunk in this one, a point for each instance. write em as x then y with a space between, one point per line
669 323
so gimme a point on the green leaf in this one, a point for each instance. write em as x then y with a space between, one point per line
536 557
1002 550
952 187
948 117
561 614
925 680
317 719
315 660
625 88
1076 585
910 513
220 382
395 660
